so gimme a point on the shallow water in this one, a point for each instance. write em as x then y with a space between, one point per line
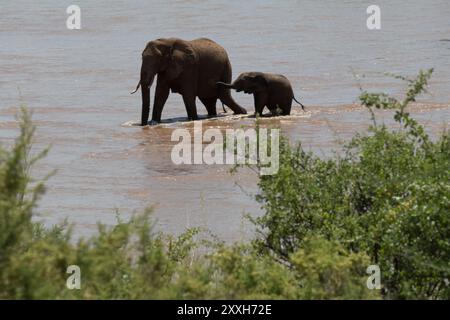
77 83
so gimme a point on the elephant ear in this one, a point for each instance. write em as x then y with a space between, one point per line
258 83
182 56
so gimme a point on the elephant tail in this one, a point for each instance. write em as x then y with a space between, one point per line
303 107
137 87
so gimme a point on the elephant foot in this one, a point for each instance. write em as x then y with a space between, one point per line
153 123
241 111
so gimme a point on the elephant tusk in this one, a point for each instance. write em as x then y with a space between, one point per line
137 87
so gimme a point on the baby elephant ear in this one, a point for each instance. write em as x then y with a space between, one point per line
261 80
259 83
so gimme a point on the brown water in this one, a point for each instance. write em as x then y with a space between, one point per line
77 84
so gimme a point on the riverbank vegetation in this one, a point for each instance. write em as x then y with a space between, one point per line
384 201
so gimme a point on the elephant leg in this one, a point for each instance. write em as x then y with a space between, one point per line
161 94
226 99
210 104
285 107
286 111
260 103
145 105
191 108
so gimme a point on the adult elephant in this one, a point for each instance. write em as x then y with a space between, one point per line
190 68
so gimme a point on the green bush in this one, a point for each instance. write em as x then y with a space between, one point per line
326 270
387 197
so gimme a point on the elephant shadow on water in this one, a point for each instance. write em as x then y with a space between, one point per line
220 116
182 119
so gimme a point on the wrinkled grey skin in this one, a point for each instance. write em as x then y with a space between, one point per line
273 91
190 68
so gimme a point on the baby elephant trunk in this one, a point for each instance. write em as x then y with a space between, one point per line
226 85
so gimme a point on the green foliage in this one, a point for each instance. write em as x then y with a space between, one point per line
388 198
326 270
321 270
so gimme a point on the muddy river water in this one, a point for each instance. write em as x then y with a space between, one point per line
77 84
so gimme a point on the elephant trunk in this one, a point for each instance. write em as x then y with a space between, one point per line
146 82
226 85
145 90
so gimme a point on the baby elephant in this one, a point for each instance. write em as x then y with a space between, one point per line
273 91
